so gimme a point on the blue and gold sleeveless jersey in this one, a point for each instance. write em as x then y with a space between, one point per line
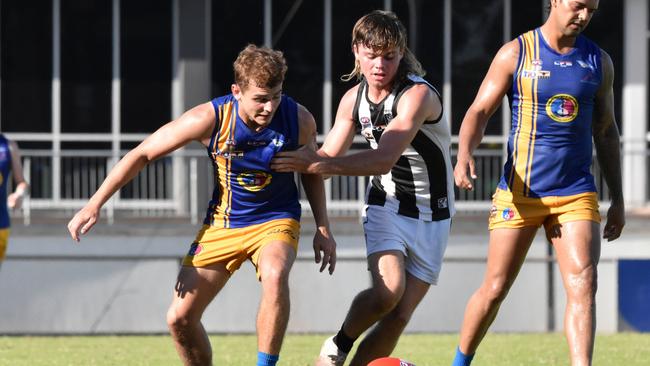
552 101
5 168
246 191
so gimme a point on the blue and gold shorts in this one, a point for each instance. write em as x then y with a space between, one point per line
515 211
233 246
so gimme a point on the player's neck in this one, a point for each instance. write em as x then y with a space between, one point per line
556 39
377 93
252 124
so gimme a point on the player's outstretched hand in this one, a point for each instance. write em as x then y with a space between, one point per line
82 222
302 160
463 165
15 200
324 242
615 222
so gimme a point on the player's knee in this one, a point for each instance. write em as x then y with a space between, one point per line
177 321
274 278
274 274
385 299
582 284
495 291
401 317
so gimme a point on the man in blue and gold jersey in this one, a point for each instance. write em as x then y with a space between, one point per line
559 84
254 213
9 164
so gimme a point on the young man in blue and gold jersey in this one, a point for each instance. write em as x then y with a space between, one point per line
9 165
254 213
559 84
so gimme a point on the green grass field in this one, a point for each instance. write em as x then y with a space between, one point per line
628 349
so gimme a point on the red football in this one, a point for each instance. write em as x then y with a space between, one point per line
390 361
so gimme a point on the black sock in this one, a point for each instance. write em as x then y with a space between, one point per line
343 341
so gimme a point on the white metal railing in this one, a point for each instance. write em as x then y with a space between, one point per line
151 192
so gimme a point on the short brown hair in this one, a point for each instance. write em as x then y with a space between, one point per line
261 66
381 30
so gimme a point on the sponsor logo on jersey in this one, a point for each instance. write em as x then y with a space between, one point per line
366 128
586 65
228 151
228 154
508 214
256 143
562 108
442 202
563 63
589 77
535 74
277 142
254 180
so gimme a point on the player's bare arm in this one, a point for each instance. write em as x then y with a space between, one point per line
340 137
14 200
315 190
607 143
337 142
416 105
194 125
495 85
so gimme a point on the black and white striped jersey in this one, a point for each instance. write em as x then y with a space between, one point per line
420 185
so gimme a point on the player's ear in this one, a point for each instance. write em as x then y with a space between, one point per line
236 91
355 51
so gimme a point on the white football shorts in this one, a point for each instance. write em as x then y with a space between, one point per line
423 243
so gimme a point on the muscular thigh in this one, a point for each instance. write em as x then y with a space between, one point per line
275 260
387 271
577 245
196 286
506 253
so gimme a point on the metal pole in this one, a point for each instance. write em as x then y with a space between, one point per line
56 101
446 88
194 195
268 22
115 105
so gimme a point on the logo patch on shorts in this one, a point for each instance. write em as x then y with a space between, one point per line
195 249
508 214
